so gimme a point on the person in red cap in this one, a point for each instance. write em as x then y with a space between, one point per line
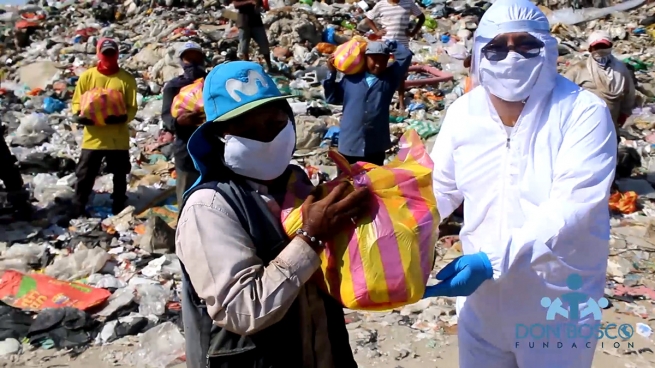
110 142
607 77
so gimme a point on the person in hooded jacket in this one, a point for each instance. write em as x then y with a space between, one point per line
532 156
193 62
606 76
250 293
110 142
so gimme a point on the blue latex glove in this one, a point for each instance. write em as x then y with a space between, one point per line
462 276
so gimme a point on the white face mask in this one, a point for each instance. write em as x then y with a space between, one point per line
512 78
602 57
260 160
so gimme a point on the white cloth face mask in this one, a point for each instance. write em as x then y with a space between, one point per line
602 57
260 160
512 78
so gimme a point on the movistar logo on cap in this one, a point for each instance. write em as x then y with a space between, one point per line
248 88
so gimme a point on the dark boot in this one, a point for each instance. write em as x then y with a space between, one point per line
118 163
118 197
117 207
21 206
78 210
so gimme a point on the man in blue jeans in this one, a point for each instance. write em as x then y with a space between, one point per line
366 97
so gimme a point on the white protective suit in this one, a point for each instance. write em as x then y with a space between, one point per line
536 202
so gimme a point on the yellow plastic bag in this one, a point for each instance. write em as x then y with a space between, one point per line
349 57
100 103
189 99
384 261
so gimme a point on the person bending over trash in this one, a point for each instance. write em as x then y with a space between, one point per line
249 298
366 97
607 77
110 141
532 156
193 63
10 176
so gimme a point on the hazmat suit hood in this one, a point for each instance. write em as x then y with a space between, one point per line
510 16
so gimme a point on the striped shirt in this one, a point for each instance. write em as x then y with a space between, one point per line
395 18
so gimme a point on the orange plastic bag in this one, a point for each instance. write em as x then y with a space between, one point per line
625 203
384 260
325 48
100 103
349 57
189 99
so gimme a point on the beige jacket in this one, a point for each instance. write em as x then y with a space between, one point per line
616 87
241 294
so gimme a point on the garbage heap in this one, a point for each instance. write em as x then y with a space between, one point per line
73 283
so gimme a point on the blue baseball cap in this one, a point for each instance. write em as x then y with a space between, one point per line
236 87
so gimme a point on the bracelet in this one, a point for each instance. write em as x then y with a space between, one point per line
311 238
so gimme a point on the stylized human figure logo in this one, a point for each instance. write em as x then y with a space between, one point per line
574 299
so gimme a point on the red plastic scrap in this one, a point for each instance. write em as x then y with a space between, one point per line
34 292
24 24
86 32
185 32
31 16
623 290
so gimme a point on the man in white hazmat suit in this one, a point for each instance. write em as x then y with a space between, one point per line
532 155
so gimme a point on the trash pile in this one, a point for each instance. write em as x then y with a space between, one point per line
73 283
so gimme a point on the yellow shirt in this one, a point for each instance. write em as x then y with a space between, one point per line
109 137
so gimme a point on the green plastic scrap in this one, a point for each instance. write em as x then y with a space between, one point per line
347 25
48 344
637 64
430 23
153 98
425 129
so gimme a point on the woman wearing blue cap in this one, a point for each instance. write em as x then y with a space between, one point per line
248 299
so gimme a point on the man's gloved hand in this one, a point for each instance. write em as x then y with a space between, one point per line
82 120
462 276
115 120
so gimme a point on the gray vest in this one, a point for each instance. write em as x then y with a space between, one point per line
277 346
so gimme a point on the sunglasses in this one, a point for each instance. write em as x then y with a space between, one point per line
497 51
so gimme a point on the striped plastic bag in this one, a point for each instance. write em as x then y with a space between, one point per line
384 261
189 99
349 57
99 103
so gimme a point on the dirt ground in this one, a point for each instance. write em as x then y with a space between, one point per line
396 347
